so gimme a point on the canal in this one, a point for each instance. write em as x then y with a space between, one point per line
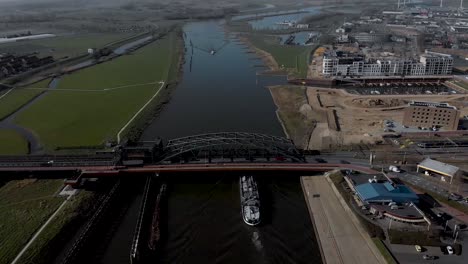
222 92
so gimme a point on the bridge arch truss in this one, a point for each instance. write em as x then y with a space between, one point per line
231 144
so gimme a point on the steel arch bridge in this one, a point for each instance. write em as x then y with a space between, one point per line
231 144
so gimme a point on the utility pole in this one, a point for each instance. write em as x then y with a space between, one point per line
454 230
461 4
441 3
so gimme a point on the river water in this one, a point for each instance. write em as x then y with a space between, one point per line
222 92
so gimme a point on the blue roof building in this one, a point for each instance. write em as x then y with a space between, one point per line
385 193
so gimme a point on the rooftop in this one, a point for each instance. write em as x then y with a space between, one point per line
385 192
439 167
407 211
360 178
432 104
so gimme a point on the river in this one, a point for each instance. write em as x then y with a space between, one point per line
222 92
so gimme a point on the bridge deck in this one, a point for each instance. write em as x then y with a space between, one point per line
103 171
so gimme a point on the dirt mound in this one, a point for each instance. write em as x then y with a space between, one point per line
378 102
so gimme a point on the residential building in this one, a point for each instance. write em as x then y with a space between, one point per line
430 114
336 63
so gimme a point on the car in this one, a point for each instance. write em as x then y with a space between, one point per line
450 250
418 248
429 257
455 197
48 163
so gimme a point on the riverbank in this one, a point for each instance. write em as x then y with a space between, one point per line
266 57
174 76
288 59
294 113
340 235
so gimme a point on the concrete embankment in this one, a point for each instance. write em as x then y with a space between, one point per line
341 238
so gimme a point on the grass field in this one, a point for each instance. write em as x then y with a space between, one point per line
42 249
18 97
82 113
290 57
61 46
25 205
11 143
462 84
384 251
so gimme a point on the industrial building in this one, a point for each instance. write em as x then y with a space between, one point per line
341 64
431 115
386 192
432 167
386 199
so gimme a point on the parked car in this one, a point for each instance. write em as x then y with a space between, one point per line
418 248
455 196
429 257
394 169
450 250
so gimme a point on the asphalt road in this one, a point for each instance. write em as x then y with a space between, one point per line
342 240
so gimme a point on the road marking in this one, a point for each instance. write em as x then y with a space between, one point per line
39 231
139 111
6 93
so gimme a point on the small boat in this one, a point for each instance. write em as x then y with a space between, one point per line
250 200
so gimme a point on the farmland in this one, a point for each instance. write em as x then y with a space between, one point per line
12 143
90 106
25 205
18 97
293 58
63 46
42 250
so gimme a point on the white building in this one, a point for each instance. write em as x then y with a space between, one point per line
430 63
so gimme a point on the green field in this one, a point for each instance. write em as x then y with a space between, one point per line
19 97
25 205
290 57
462 84
11 143
61 46
57 231
82 113
384 251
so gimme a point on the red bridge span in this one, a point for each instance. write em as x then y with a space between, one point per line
114 171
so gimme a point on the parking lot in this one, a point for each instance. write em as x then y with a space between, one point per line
408 254
388 89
